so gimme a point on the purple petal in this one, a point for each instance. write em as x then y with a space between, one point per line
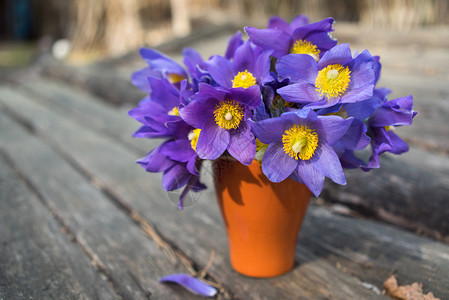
206 92
249 97
386 116
175 177
235 42
377 67
260 113
262 66
340 54
270 130
194 185
150 132
179 150
140 79
356 138
301 93
333 128
151 54
280 24
191 165
327 163
322 40
274 39
196 113
160 62
362 109
401 104
212 141
362 74
242 146
276 164
304 32
350 161
221 71
399 146
155 162
360 94
192 59
192 284
164 93
244 58
300 20
311 177
298 67
141 111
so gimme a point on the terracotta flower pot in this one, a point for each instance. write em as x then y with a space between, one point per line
262 218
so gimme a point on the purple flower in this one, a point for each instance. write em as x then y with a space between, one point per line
176 157
160 117
300 147
355 138
196 67
234 42
159 66
159 109
297 37
175 174
222 117
396 112
336 78
248 66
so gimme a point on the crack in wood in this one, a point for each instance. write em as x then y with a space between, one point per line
377 213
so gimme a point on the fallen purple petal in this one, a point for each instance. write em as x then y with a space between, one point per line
192 284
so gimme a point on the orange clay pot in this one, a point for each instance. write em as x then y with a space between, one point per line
262 218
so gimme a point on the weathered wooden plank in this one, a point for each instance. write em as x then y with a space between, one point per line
131 262
408 190
194 230
372 252
358 267
108 85
87 109
202 220
38 261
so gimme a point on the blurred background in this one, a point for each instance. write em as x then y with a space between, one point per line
85 30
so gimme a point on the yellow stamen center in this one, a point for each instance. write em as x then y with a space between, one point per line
389 128
175 78
244 79
174 111
193 137
333 80
305 47
300 142
228 114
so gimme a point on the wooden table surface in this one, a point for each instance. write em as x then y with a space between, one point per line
80 220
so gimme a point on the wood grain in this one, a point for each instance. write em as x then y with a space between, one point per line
39 261
192 230
117 246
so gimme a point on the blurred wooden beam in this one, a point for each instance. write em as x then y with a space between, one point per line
180 17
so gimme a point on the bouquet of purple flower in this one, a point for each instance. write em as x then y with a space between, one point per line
289 98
